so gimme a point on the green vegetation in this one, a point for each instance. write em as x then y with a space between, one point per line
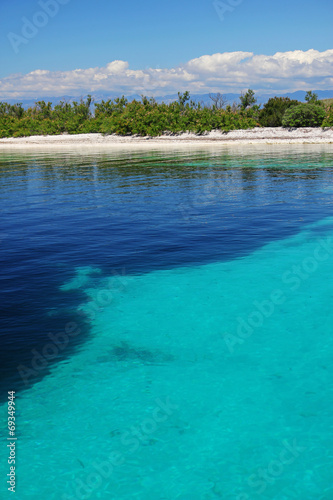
328 105
304 115
247 100
42 119
328 121
273 111
282 111
311 98
327 102
121 117
148 118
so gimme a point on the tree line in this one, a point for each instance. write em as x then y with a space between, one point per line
149 118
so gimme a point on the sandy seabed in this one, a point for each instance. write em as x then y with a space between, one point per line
239 137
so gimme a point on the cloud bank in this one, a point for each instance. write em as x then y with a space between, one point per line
223 72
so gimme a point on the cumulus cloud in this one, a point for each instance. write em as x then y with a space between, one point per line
223 72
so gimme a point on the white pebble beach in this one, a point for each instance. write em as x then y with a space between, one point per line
257 135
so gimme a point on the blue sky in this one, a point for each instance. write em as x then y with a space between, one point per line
150 34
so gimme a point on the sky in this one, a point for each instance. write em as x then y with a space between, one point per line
70 47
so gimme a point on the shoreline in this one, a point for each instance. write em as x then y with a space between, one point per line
257 135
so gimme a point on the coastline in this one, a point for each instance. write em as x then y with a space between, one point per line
236 137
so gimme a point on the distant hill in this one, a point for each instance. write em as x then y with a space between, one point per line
204 98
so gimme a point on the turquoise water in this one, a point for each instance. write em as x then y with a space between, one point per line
205 379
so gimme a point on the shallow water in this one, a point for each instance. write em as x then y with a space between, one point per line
168 323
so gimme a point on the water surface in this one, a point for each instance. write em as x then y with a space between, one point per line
173 307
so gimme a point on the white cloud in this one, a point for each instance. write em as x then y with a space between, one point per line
116 67
224 72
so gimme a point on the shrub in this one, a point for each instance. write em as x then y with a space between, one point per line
304 115
272 113
247 100
119 116
328 122
312 98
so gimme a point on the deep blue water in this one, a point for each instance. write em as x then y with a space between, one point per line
130 215
133 213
